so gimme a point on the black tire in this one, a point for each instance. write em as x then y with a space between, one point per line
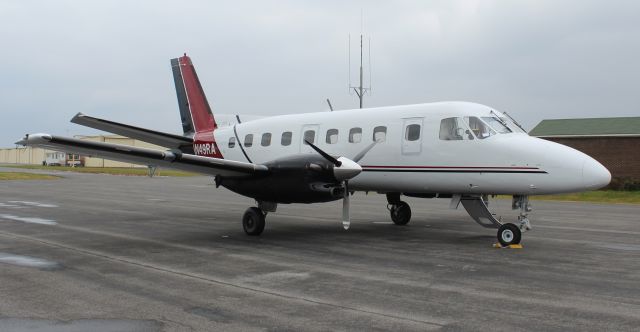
509 234
253 221
400 213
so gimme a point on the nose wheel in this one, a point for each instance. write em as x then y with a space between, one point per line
509 234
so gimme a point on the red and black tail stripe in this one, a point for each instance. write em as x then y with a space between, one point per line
195 112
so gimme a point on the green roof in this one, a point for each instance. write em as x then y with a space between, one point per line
588 127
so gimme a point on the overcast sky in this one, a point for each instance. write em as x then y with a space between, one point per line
534 59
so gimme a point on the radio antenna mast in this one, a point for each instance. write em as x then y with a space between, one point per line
360 90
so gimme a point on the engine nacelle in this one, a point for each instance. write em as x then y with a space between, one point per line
304 178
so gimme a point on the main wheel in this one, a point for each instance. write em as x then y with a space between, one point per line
509 234
400 213
253 221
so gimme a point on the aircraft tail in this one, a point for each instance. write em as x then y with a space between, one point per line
195 111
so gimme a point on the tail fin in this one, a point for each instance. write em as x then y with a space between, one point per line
195 112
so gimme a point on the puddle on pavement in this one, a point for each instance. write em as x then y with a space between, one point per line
28 261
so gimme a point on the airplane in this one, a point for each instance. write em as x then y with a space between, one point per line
461 151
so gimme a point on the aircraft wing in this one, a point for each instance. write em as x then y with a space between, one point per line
171 141
143 156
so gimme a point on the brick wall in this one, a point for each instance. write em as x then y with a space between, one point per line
621 155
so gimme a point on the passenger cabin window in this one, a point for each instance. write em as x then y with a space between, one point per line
309 136
332 136
454 129
479 128
248 140
286 138
380 134
232 142
355 135
412 132
266 139
498 124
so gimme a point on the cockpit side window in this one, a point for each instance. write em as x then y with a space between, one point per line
453 129
449 130
480 129
499 125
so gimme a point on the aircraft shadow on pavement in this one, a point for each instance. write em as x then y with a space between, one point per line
361 232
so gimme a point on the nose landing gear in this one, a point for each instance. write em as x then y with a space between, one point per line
522 202
509 234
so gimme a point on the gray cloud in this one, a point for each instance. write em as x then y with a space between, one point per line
535 59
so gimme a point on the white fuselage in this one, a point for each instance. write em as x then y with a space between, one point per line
418 153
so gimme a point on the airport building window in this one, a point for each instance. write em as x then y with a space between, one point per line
355 135
332 136
232 142
380 134
310 136
266 139
479 128
286 138
412 132
248 140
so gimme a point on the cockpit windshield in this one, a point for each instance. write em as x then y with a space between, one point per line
499 125
480 129
508 121
469 127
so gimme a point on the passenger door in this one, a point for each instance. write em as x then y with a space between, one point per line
305 148
412 135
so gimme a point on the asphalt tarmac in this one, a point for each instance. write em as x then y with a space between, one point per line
117 253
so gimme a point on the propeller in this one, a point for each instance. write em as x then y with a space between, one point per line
326 156
344 170
346 207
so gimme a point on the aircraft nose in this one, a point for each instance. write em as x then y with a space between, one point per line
594 175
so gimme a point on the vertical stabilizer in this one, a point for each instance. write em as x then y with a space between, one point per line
195 111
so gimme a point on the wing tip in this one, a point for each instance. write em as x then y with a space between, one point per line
77 117
34 138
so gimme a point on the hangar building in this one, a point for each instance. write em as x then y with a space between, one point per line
614 142
35 156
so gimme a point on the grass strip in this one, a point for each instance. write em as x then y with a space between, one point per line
26 176
598 196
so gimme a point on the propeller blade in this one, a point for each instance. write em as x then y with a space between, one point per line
325 155
346 215
364 152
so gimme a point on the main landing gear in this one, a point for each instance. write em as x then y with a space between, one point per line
253 220
399 210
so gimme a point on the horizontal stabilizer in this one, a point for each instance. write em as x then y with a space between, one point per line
143 156
171 141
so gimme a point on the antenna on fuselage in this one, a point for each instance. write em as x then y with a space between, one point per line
360 90
330 106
